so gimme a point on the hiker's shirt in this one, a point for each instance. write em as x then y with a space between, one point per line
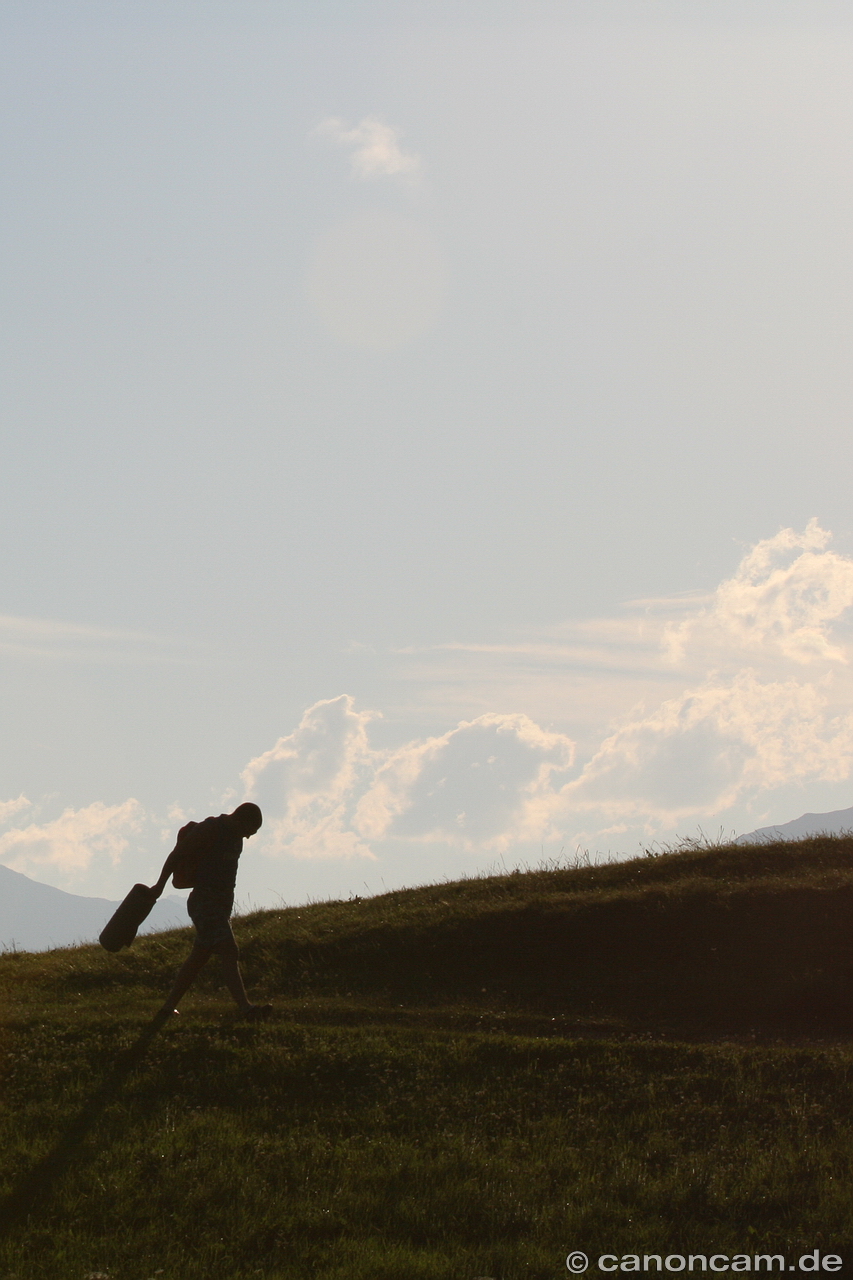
217 869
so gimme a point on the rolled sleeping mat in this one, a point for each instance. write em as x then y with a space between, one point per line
120 929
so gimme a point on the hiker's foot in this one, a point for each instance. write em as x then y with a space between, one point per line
256 1012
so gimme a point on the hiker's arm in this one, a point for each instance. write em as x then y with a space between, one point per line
165 873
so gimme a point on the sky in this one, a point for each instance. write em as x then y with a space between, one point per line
429 421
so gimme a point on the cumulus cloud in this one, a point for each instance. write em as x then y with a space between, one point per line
776 709
483 784
327 793
704 751
786 595
765 701
374 148
713 701
8 808
307 784
745 691
65 847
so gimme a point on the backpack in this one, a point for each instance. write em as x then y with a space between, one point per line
193 843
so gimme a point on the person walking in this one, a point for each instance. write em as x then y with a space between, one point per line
206 856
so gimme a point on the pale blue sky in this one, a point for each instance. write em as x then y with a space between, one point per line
389 351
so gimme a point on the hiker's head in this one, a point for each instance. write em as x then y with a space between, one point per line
247 818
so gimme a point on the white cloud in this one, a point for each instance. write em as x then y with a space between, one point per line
764 699
777 600
374 148
8 808
307 783
737 695
702 752
745 692
66 847
326 792
774 710
482 785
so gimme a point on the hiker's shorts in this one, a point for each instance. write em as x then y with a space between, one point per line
210 911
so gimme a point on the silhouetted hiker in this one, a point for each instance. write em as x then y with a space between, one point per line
206 857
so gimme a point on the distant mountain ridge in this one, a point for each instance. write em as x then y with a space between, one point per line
837 822
36 917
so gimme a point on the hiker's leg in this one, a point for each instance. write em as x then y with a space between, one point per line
229 956
188 972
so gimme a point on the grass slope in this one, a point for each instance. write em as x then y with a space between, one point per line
466 1080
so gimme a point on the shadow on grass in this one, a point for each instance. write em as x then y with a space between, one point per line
36 1186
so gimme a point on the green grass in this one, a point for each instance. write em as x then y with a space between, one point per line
468 1080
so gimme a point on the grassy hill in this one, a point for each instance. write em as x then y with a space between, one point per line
465 1080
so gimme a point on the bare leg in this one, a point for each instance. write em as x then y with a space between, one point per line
186 975
229 957
192 966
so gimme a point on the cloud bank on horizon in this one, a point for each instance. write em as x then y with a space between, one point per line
764 699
